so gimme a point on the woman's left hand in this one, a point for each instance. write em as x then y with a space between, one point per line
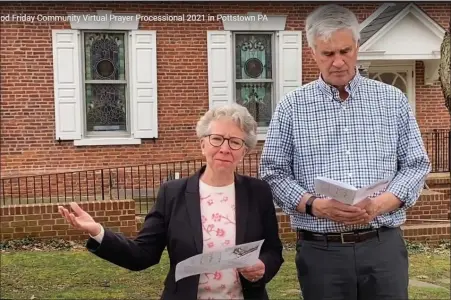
253 273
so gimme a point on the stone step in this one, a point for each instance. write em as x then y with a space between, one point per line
427 233
438 180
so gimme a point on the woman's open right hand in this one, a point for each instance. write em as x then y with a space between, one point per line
81 220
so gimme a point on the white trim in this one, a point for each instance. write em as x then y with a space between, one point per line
431 71
104 20
253 21
364 56
395 64
106 141
411 8
376 14
372 52
261 136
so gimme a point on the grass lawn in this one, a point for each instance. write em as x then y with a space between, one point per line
77 274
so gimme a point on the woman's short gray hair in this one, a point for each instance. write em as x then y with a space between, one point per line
237 113
327 19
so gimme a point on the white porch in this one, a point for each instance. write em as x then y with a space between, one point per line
393 39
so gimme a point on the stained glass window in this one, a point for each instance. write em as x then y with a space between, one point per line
105 84
254 82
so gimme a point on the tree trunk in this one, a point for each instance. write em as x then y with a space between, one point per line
445 81
444 70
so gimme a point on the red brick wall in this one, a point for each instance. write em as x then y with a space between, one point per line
430 233
44 220
431 110
430 206
27 109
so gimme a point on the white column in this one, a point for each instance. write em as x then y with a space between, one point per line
363 67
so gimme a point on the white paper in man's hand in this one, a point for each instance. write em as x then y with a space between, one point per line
238 256
347 193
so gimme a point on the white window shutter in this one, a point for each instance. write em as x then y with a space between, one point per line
143 83
220 76
67 84
290 61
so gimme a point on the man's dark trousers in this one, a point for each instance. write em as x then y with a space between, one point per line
371 268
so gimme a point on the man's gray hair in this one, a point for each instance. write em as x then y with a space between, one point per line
237 113
327 19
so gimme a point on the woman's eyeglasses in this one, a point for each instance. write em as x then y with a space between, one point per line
217 140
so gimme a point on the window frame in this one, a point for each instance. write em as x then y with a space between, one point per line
128 123
274 64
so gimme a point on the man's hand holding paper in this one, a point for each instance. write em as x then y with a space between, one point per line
347 193
372 208
347 204
339 212
379 205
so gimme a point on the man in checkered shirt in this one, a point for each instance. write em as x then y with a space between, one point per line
349 128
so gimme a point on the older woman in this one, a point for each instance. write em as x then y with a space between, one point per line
211 210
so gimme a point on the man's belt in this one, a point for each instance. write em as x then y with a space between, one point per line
343 238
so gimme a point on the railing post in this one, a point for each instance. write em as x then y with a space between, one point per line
102 185
449 152
436 154
449 157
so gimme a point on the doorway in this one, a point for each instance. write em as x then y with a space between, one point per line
401 77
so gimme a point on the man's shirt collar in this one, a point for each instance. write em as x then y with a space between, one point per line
332 92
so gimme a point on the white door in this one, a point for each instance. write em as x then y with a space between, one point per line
401 77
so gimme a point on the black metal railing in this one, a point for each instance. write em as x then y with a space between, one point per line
437 144
140 183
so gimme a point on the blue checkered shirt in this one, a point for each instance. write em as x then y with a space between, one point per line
370 136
